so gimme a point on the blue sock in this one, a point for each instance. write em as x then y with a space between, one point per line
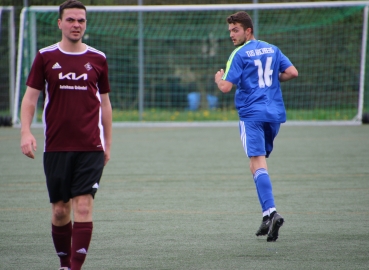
264 189
257 191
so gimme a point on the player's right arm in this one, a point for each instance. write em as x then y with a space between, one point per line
289 74
287 70
29 103
223 85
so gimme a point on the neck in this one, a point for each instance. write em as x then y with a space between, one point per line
71 46
251 37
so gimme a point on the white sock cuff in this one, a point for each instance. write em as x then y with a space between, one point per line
259 172
271 210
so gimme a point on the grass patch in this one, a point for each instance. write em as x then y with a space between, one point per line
157 115
183 198
224 115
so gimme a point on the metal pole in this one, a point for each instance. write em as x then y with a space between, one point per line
362 65
256 20
19 63
140 64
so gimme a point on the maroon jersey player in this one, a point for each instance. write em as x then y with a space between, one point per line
77 119
75 84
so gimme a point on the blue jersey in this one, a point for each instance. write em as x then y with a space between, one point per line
254 67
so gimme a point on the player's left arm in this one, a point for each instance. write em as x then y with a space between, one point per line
106 119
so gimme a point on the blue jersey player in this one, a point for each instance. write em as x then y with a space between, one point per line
257 68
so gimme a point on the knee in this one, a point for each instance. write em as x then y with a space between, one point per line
257 163
61 212
251 168
82 207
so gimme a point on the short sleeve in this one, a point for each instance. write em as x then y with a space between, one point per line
284 63
103 83
234 69
36 77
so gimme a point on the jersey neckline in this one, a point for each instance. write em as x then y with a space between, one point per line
72 53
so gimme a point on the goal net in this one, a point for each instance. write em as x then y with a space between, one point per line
162 59
7 64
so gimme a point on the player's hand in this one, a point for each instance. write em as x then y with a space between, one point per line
107 156
218 76
28 144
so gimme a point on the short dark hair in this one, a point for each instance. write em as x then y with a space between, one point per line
242 18
70 4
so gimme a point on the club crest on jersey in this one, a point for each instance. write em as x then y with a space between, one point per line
88 66
72 76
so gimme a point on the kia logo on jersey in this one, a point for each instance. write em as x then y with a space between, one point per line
72 76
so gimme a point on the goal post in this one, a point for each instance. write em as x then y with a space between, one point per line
162 59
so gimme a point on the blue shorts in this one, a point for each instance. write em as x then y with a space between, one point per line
257 137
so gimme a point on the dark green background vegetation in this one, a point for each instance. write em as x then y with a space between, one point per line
145 2
329 69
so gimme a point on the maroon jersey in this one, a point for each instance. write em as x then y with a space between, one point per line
72 84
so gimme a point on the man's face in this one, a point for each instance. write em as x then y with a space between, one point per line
73 24
237 34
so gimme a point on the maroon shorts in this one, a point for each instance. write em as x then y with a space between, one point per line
70 174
